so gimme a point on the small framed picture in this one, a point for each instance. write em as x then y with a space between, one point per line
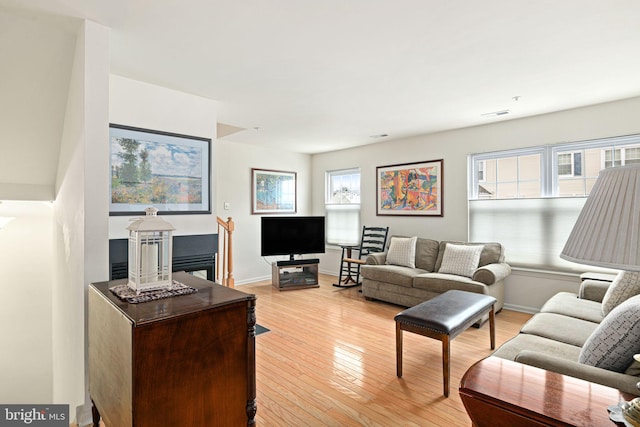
273 192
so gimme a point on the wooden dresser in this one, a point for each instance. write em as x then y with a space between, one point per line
183 361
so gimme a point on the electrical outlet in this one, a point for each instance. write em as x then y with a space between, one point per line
226 206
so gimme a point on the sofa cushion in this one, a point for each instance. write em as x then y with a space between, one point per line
624 286
395 274
511 349
491 253
440 283
402 251
426 253
570 305
461 260
614 342
560 328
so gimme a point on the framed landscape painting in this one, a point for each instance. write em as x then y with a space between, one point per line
273 192
168 171
410 189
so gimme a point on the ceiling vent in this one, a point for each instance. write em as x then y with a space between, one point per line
496 113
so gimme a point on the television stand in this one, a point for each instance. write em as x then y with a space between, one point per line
292 275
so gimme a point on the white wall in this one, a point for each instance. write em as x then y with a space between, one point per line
610 119
137 104
26 275
81 229
233 166
143 105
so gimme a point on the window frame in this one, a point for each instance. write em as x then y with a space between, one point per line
623 155
482 170
331 206
474 159
549 177
328 183
572 164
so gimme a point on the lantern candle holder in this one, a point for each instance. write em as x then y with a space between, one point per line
150 252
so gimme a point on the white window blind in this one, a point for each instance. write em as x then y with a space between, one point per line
342 207
343 224
532 231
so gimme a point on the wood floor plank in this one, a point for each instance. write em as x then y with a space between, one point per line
329 360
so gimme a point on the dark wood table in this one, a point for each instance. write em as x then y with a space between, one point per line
183 361
501 393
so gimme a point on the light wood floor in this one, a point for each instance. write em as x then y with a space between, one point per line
329 360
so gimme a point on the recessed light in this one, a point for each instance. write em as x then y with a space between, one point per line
496 113
381 135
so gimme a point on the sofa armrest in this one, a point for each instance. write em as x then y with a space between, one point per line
491 273
620 381
593 290
378 258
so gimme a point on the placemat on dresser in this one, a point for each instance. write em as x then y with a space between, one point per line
125 293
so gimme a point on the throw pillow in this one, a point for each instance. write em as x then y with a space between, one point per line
614 342
402 251
461 260
624 286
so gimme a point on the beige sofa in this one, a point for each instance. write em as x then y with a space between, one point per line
408 286
563 337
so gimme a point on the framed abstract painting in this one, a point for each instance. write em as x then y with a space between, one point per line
273 192
410 189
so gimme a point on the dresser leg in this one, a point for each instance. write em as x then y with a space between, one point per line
95 414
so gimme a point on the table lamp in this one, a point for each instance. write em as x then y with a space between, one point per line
607 234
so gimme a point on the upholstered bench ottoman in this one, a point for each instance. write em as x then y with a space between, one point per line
443 318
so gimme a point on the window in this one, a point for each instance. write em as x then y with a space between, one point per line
342 206
554 180
621 156
632 155
612 157
481 167
508 175
570 164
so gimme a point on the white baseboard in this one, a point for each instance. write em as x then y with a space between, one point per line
520 308
252 280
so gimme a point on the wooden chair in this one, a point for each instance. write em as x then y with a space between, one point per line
373 240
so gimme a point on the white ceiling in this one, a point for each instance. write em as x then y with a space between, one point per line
314 76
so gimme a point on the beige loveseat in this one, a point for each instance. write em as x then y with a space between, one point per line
409 284
571 335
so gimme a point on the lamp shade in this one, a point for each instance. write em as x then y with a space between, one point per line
607 231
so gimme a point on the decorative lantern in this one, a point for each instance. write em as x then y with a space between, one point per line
150 246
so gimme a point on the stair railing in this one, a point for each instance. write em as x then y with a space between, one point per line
224 266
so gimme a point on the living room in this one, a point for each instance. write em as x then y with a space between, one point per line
64 244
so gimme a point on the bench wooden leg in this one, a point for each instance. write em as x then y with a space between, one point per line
398 350
446 363
492 327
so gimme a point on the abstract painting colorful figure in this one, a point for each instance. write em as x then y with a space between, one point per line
410 189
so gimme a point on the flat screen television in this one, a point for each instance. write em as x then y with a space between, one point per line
291 235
